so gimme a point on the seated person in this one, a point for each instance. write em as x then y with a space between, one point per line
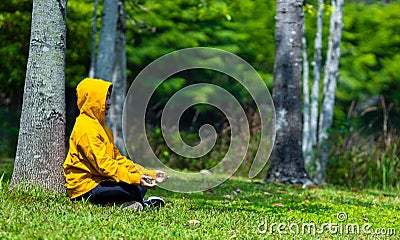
94 167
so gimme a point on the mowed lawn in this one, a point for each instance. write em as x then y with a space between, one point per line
238 209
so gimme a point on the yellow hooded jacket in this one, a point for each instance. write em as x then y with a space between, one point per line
93 156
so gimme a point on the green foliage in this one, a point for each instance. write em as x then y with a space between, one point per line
15 17
79 35
369 49
369 57
237 209
15 24
160 28
370 53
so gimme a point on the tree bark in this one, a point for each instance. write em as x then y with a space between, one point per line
306 97
105 55
316 74
287 162
315 87
330 79
119 79
41 141
111 67
92 68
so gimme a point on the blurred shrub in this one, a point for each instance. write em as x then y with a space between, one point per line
365 161
217 153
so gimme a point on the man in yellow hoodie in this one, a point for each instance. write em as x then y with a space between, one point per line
94 167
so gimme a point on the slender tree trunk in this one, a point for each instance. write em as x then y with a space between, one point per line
330 79
315 88
119 79
306 97
41 141
287 162
108 64
92 69
105 55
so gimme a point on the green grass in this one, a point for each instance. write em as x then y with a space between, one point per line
254 212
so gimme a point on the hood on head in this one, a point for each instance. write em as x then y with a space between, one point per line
92 94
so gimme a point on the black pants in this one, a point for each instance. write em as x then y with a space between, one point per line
114 192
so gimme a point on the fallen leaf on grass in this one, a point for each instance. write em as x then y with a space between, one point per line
278 205
194 221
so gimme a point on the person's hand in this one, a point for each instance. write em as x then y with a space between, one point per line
161 176
147 182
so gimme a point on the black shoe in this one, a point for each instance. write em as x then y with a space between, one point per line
154 202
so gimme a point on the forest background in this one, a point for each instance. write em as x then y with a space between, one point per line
364 138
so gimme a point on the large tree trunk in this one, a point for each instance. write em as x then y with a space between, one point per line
330 79
287 162
41 141
119 79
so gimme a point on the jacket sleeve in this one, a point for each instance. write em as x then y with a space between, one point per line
131 166
95 151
